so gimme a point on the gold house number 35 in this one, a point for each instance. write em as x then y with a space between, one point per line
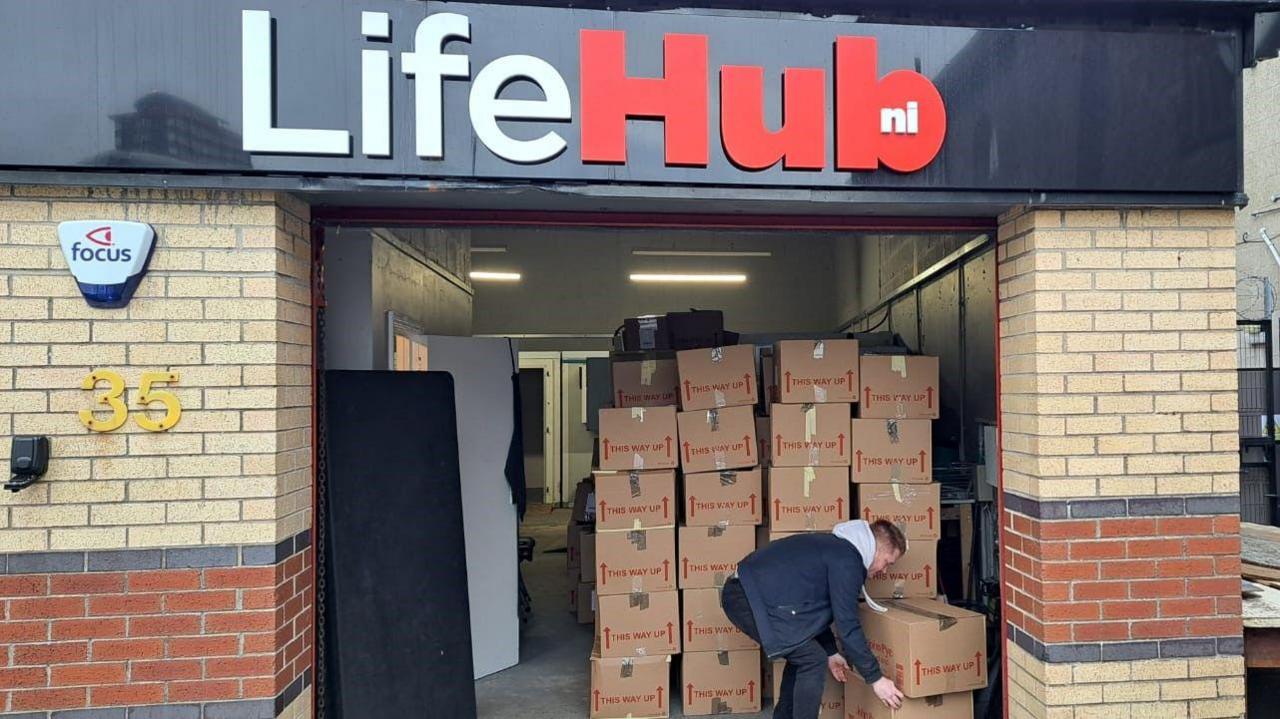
120 411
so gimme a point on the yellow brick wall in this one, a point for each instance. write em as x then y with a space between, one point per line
226 304
299 708
1118 361
1195 688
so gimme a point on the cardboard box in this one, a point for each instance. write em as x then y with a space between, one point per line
721 682
892 450
762 440
861 702
915 574
635 499
717 377
914 508
645 380
807 498
584 501
768 379
732 496
638 624
706 628
645 333
709 555
809 435
584 597
715 439
928 647
766 535
587 554
622 688
898 387
638 438
817 370
637 560
832 695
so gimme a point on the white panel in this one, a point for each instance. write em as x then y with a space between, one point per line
482 369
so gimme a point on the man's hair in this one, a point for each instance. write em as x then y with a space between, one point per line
889 533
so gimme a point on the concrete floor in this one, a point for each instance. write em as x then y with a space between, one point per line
553 677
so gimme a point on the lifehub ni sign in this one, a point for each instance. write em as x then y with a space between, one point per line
897 120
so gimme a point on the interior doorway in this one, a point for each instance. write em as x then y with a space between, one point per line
541 373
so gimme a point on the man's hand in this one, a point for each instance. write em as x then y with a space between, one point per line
838 666
888 692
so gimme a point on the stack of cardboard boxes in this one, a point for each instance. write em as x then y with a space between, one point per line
723 502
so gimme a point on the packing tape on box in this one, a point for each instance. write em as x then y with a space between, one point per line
895 473
897 492
728 479
639 600
713 419
723 524
809 477
819 349
723 658
898 364
719 398
716 530
944 622
637 524
637 413
719 579
810 421
819 394
717 355
647 368
625 670
810 521
637 461
893 431
720 706
639 538
633 480
815 455
721 461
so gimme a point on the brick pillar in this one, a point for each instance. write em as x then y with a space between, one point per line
1121 504
165 568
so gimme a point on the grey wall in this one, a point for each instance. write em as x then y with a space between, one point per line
348 290
575 281
406 281
1254 264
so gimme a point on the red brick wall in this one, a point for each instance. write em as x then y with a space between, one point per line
74 640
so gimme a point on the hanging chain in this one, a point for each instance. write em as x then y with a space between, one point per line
321 476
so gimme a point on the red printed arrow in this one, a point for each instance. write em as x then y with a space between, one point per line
689 702
666 570
788 376
746 442
687 458
604 574
606 448
849 378
858 454
931 518
977 658
747 384
659 697
867 402
841 438
597 694
753 504
603 507
690 623
777 509
664 507
688 390
840 506
927 570
917 672
607 641
751 691
685 562
670 636
866 513
619 398
668 447
778 453
929 392
693 502
922 460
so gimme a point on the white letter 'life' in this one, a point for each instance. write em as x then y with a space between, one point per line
257 72
429 66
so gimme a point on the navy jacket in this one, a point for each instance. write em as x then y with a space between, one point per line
797 585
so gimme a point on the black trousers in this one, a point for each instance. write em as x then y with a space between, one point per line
804 679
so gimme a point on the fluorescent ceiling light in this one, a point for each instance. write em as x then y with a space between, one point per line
498 276
666 277
701 253
483 249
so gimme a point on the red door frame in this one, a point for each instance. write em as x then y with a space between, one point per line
323 217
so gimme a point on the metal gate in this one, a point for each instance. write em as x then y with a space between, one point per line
1259 498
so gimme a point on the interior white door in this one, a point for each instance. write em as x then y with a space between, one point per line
482 370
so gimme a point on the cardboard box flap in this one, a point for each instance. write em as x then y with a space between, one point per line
944 616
